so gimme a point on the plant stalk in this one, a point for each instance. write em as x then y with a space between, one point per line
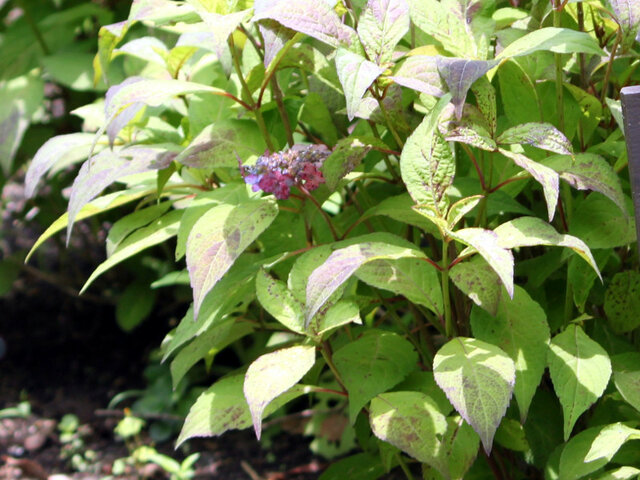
254 106
557 14
449 327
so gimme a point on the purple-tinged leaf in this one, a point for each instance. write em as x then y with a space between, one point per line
219 237
315 18
128 97
459 74
272 374
478 281
275 36
54 151
487 243
12 128
108 166
356 75
532 231
541 135
342 264
547 177
420 72
628 15
382 25
346 156
218 144
427 165
588 171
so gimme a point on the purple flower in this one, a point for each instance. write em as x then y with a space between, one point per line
278 172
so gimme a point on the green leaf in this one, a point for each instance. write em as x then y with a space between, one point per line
588 171
231 294
626 377
399 208
548 179
478 379
622 473
458 449
592 449
520 329
356 75
440 21
218 144
461 208
487 243
511 435
343 263
477 280
223 407
532 231
541 135
427 165
134 305
72 69
381 26
361 466
272 374
485 95
373 364
99 205
219 237
580 370
277 299
410 421
557 40
518 93
622 302
413 278
130 223
207 345
158 231
232 194
346 156
331 317
600 224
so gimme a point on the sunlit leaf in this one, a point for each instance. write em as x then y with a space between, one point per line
478 379
272 374
580 369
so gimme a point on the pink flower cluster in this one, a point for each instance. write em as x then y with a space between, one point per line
278 172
